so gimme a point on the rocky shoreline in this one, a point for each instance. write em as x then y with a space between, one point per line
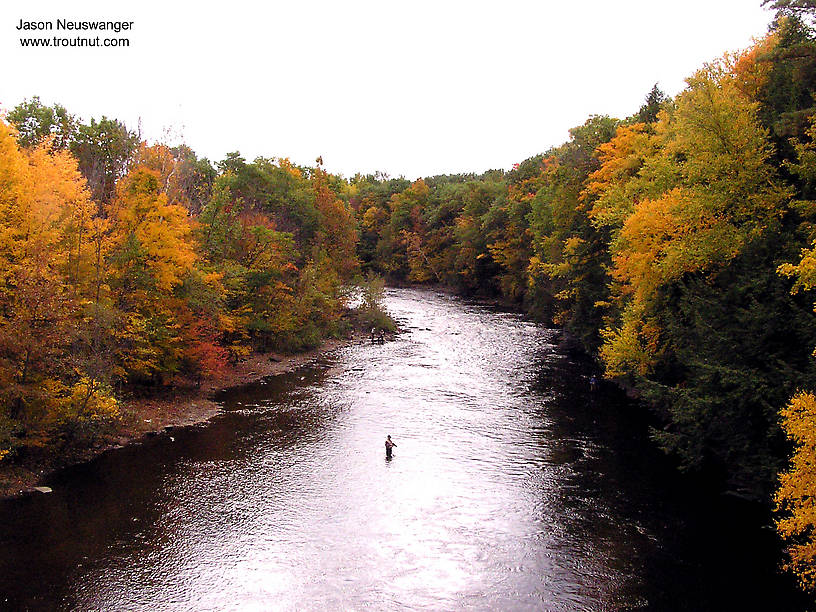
143 417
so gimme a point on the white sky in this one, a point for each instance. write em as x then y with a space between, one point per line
409 88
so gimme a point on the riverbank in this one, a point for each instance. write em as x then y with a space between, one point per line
144 417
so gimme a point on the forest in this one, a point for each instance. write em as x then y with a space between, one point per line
676 245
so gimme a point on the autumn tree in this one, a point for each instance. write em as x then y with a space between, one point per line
36 122
46 209
103 150
153 254
186 179
568 262
337 234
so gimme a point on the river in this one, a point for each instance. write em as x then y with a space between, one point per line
512 487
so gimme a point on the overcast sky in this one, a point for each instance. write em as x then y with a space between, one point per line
409 88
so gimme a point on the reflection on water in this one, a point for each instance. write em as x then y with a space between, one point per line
512 488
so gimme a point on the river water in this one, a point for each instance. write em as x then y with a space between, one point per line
512 487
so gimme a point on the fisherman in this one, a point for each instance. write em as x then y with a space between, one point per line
373 334
593 383
389 446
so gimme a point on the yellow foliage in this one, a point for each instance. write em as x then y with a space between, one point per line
536 270
685 199
287 165
804 272
62 214
161 229
140 355
88 400
796 496
16 200
670 236
44 201
421 270
372 217
632 347
419 189
338 233
238 351
621 159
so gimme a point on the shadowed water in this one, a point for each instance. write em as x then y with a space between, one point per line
512 488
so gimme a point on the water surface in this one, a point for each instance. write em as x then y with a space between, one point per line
512 487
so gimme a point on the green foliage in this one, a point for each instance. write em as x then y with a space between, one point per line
570 259
370 313
36 122
652 105
103 150
786 94
740 347
797 8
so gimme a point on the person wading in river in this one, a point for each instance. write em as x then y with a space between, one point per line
389 446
